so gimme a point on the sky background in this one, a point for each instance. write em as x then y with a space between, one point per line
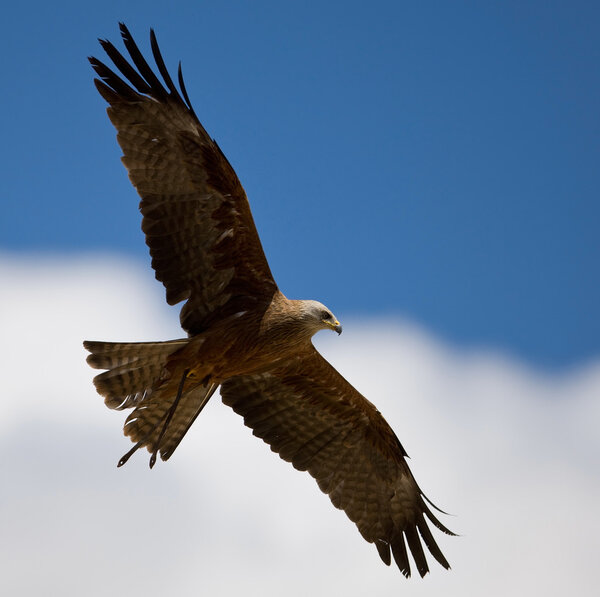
428 170
435 161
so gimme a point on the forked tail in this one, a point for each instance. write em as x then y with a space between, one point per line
165 401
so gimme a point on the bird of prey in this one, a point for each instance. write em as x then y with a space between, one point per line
243 334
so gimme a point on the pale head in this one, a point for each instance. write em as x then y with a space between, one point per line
318 317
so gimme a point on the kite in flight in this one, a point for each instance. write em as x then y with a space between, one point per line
244 335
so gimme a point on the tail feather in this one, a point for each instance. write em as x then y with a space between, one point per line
108 355
124 386
137 377
134 368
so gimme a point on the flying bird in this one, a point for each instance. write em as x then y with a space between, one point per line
243 335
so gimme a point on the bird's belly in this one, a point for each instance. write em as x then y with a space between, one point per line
217 357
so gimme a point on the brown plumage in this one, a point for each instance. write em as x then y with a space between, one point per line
244 335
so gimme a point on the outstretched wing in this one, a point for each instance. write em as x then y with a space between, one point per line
312 417
204 245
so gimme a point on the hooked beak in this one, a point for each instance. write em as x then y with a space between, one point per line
337 327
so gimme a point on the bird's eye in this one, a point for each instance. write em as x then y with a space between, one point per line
325 315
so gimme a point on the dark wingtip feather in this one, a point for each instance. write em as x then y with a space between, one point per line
158 90
435 521
125 68
416 549
401 556
138 76
124 30
431 544
184 90
111 80
433 505
161 66
106 92
384 551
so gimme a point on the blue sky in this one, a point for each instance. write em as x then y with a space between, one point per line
431 161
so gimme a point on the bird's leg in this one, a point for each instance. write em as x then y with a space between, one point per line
170 414
133 450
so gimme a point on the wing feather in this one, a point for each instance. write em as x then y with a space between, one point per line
316 420
196 218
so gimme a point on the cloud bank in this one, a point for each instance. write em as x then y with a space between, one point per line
512 453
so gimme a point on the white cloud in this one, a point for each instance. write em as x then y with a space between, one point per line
512 453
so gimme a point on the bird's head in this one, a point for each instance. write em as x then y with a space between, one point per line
319 317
